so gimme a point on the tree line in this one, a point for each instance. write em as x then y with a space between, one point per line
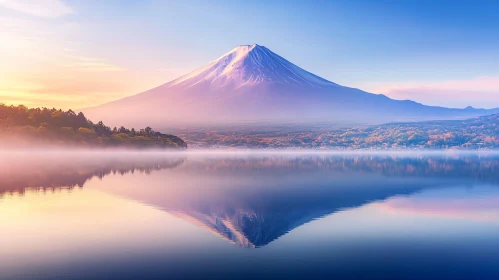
474 133
56 126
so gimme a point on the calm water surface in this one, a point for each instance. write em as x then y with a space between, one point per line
157 216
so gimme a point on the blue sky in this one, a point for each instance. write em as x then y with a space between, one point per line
435 52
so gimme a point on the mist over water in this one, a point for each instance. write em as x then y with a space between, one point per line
80 214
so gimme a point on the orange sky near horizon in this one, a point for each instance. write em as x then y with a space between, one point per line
42 74
77 54
46 63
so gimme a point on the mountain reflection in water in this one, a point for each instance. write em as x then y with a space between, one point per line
253 200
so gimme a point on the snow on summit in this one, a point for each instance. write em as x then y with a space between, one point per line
247 65
251 83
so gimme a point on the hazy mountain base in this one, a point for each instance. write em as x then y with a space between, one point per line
475 133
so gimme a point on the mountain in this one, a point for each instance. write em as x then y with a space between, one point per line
251 83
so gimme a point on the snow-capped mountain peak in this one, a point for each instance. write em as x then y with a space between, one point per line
251 83
246 65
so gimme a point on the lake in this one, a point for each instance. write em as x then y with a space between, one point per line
91 215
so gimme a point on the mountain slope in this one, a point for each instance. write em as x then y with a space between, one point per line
249 66
253 84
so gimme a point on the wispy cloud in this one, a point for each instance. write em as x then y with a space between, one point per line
81 63
478 91
44 64
484 83
39 8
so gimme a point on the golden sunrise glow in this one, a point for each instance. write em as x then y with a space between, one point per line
44 65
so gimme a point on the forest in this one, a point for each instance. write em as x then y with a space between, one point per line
21 126
470 134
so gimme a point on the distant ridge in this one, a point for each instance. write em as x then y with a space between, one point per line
251 83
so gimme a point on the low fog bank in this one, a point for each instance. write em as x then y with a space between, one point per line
52 169
21 126
78 140
11 149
